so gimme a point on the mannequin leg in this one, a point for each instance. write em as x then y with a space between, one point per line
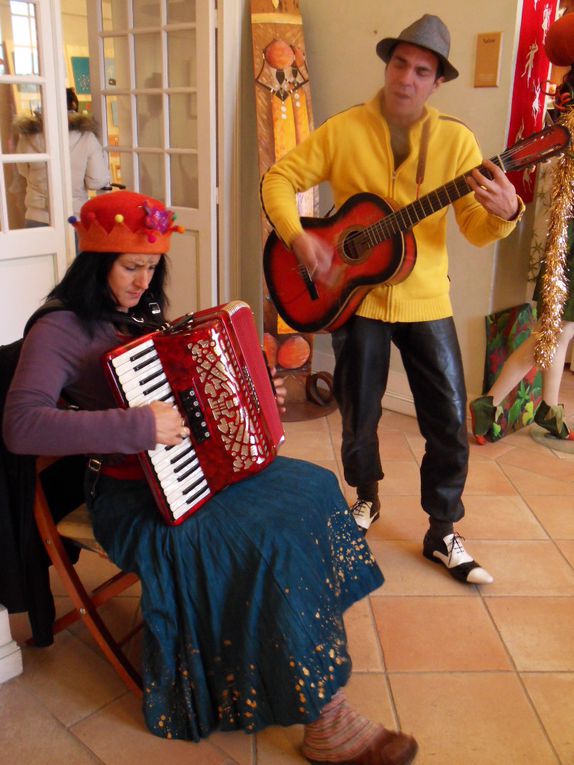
550 413
516 366
551 378
484 410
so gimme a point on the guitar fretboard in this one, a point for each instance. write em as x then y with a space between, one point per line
531 150
408 216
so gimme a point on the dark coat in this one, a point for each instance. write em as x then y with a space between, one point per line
24 576
24 563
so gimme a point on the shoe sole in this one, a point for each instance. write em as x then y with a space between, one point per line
431 557
554 437
451 571
406 759
480 440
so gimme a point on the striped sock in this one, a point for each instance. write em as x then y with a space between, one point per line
339 734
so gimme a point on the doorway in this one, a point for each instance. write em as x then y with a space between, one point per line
147 74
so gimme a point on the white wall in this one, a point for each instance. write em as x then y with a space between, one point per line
345 70
10 653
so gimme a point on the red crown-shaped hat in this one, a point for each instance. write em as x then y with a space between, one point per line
125 221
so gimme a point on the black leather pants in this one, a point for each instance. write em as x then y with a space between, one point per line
432 361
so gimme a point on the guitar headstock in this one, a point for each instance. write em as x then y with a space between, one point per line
538 147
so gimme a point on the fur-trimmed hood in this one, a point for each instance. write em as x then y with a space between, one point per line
33 125
83 123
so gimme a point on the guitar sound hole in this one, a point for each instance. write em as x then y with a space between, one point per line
353 248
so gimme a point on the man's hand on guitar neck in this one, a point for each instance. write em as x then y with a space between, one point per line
313 253
496 194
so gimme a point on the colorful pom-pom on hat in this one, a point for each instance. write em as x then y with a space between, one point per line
125 221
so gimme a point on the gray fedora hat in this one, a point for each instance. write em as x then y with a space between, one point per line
427 32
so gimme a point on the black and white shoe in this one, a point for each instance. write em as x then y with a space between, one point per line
365 512
451 553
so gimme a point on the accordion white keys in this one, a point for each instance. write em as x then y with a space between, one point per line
211 367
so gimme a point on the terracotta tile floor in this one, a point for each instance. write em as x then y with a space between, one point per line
483 676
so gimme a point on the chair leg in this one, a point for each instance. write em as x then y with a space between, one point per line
100 595
84 605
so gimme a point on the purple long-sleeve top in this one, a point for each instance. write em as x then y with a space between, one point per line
58 356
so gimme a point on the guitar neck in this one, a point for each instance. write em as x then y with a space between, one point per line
405 218
529 151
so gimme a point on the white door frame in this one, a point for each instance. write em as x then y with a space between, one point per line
33 260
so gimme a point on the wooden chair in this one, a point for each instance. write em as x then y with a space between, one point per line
76 528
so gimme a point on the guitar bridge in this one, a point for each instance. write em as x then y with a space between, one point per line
309 283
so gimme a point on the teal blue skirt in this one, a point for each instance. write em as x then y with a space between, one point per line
243 602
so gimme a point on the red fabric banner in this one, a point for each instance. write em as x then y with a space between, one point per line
530 83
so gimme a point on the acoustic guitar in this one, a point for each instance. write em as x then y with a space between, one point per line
372 243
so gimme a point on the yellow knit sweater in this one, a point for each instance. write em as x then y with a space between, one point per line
352 151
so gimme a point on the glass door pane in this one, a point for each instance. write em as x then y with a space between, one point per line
27 184
178 11
183 120
20 38
184 181
117 62
33 152
148 65
119 120
147 14
115 15
182 55
151 174
149 111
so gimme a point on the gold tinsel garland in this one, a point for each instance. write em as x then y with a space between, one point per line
554 288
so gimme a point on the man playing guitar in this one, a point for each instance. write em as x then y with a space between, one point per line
398 147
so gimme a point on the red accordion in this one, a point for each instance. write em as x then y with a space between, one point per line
210 365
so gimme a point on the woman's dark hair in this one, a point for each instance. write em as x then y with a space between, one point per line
84 288
72 100
564 96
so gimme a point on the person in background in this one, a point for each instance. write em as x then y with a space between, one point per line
398 147
243 602
88 161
